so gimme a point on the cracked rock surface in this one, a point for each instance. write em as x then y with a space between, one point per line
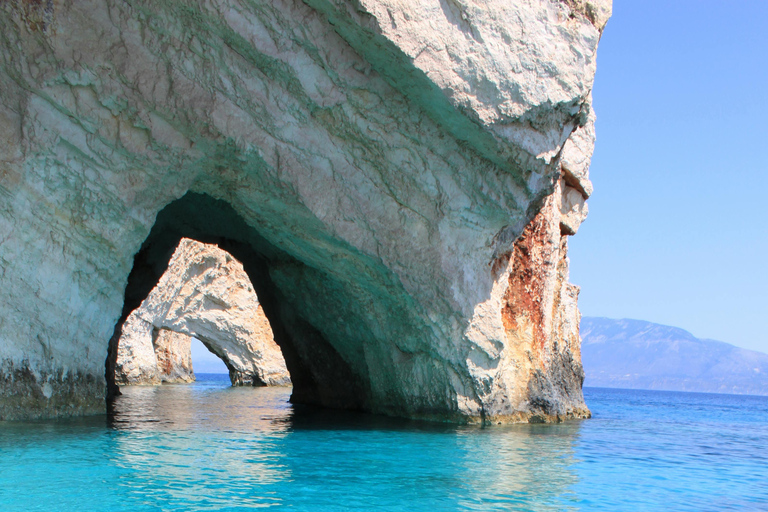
396 177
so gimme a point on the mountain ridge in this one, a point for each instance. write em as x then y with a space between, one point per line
636 354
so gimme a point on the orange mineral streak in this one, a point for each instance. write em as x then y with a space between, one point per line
37 15
541 322
523 310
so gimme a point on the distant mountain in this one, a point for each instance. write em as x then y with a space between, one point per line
642 355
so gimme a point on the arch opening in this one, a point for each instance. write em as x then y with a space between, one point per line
206 362
318 373
204 294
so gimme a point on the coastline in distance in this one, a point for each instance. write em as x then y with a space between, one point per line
635 354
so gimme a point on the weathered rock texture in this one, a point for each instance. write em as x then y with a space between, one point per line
205 293
395 176
153 356
173 351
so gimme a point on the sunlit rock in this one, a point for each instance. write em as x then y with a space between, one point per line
541 322
576 155
205 293
373 164
174 356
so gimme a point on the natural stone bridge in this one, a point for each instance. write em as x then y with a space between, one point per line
204 293
398 179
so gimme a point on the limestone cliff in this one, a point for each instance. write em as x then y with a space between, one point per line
396 178
205 293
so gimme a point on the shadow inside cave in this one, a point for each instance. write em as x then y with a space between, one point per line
310 359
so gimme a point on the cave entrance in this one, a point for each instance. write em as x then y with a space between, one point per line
318 374
204 297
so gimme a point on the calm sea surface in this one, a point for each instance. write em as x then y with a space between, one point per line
207 446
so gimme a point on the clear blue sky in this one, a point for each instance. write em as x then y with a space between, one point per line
203 361
677 231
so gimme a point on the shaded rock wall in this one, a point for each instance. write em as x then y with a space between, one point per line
204 293
372 163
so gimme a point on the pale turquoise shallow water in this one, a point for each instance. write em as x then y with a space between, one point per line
210 447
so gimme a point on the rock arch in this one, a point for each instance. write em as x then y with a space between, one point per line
319 375
397 178
205 293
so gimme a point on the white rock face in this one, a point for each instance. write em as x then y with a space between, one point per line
374 164
174 356
520 68
206 294
160 356
577 153
136 358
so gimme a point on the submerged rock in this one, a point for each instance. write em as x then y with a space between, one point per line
396 177
205 293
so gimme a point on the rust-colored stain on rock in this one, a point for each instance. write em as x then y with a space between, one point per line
531 257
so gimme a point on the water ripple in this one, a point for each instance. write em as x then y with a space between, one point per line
210 447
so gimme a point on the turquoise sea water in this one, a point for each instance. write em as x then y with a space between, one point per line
207 446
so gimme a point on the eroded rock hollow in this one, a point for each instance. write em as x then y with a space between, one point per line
398 179
204 293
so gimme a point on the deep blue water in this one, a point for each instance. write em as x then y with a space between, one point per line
207 446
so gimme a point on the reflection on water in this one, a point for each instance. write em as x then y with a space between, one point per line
204 405
219 444
208 446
